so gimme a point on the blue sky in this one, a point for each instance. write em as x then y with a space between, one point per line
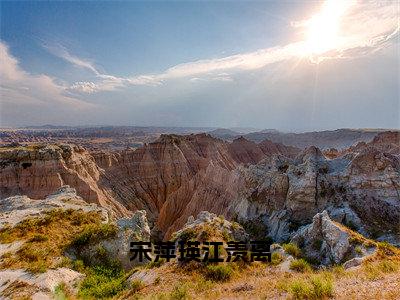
267 64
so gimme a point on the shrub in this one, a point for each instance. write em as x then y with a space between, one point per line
300 265
39 238
218 272
136 285
317 287
94 233
322 286
300 289
358 250
180 292
276 258
61 292
155 264
292 249
103 281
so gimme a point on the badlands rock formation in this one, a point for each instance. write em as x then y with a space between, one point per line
171 179
270 187
360 189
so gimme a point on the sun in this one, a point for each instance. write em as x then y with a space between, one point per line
322 30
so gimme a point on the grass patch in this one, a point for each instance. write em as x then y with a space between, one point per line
358 250
61 292
155 264
180 292
94 233
46 238
316 287
218 273
375 270
300 265
103 281
292 249
136 285
276 258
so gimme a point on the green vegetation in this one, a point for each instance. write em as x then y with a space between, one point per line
136 285
47 237
222 272
103 281
276 258
316 287
94 233
180 292
292 249
375 270
300 265
61 292
155 264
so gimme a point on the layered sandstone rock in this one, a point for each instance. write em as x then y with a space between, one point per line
39 171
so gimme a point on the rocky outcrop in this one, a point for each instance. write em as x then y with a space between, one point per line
13 210
116 247
360 190
19 284
18 208
208 226
325 241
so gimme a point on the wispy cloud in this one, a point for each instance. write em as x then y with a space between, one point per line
61 52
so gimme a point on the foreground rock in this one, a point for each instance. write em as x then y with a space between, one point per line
18 208
116 247
209 226
18 284
327 242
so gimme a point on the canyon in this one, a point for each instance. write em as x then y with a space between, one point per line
270 188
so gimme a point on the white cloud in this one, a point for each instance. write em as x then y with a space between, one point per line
19 88
61 52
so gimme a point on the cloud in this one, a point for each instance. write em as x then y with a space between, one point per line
366 27
61 52
19 88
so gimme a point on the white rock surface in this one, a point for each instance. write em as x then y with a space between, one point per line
43 284
18 208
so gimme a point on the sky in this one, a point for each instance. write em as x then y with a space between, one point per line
288 65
